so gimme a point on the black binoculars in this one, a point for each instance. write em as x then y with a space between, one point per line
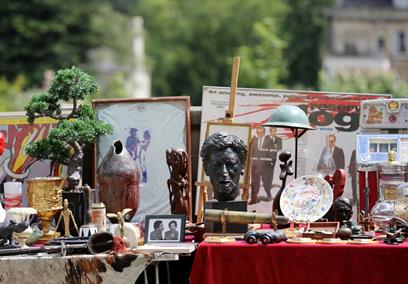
264 236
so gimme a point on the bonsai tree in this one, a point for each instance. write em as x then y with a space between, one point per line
75 128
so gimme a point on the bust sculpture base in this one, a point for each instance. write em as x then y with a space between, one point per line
211 227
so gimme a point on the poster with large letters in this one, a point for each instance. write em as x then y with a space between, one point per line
321 151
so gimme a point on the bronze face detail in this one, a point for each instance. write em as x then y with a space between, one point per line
224 159
342 209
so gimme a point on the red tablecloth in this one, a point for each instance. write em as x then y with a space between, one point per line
294 263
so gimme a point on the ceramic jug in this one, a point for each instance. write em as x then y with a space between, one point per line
118 178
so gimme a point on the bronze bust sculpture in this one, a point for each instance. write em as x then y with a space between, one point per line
342 208
224 158
343 211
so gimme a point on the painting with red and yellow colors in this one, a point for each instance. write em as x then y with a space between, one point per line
15 164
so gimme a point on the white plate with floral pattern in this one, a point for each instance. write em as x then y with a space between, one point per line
307 198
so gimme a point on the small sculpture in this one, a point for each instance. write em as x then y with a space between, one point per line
35 235
286 169
343 211
67 215
392 157
6 233
125 230
224 158
22 214
178 181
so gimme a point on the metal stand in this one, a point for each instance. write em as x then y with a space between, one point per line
297 134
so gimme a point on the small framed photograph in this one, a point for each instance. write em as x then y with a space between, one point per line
164 228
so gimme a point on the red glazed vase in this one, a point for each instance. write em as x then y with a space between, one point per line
118 178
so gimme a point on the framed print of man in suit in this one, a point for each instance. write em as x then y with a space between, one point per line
275 144
331 158
264 153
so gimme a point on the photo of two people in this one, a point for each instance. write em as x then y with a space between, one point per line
164 228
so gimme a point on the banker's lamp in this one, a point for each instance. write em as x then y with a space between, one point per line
293 117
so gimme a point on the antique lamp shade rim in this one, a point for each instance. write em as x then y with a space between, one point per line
288 125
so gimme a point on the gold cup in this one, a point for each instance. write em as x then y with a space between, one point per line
45 195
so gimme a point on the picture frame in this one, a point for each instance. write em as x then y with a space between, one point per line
162 121
164 228
330 113
15 164
241 130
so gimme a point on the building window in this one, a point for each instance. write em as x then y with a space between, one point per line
350 48
381 44
401 45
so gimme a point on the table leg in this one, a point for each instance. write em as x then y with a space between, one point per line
146 281
168 272
156 270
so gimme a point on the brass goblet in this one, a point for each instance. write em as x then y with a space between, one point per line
45 195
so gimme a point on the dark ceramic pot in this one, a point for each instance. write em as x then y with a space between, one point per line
118 178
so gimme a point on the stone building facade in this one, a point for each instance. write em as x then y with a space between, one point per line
367 35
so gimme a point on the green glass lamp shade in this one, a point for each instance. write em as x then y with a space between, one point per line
289 116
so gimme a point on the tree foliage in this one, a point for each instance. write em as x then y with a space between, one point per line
363 82
303 30
11 93
263 64
46 34
75 128
191 44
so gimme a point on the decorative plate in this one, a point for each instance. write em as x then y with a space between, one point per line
307 198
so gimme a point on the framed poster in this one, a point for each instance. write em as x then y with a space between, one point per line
335 116
147 127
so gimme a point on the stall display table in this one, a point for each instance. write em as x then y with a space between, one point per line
101 268
300 263
49 268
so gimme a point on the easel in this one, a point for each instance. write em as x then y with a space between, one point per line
228 119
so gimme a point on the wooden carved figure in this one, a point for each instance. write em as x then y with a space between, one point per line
178 181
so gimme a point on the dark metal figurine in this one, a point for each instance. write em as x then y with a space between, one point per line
224 158
177 161
343 211
286 169
6 233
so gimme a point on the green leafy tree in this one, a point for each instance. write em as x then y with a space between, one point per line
75 129
262 64
11 94
40 35
366 82
46 34
303 30
191 43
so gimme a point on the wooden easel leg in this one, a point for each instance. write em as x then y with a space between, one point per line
201 201
245 193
